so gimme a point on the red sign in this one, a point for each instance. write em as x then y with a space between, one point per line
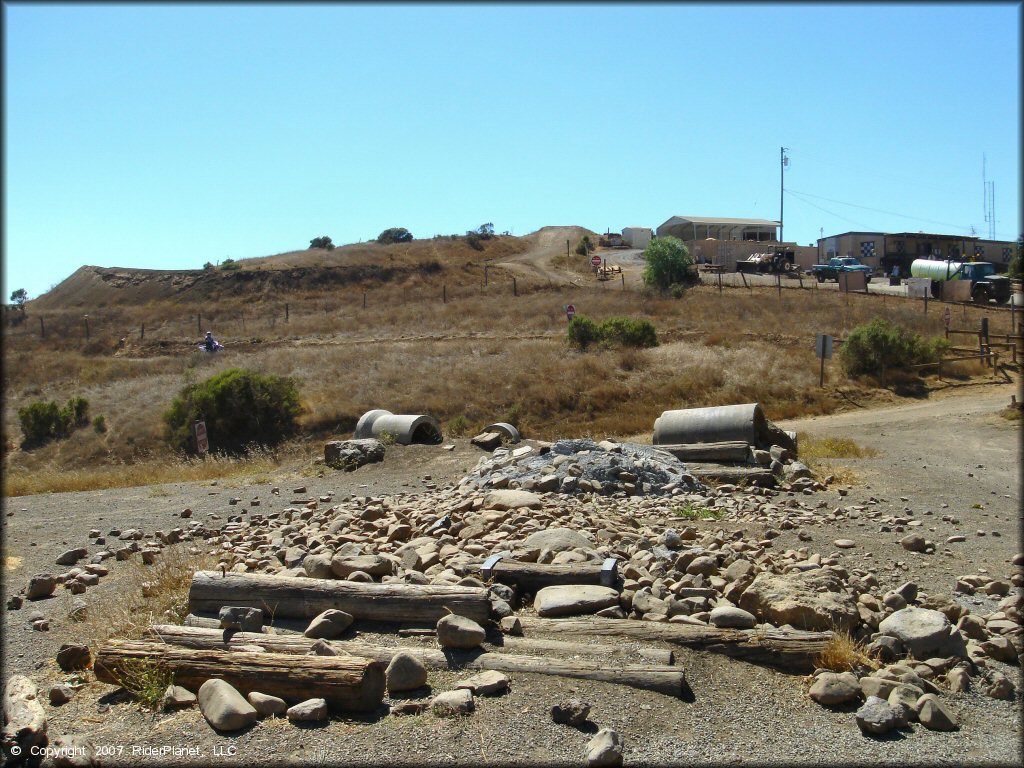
595 260
570 311
202 442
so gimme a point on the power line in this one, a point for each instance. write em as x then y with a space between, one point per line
833 213
879 210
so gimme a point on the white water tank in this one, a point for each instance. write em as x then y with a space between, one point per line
935 270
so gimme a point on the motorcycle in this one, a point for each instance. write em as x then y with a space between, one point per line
217 347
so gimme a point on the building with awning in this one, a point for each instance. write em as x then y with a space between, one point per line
692 228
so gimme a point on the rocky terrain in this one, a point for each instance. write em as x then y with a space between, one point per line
744 586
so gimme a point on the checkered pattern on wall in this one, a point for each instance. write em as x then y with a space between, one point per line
979 250
901 246
867 249
1007 255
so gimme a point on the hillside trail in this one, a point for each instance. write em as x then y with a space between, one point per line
548 243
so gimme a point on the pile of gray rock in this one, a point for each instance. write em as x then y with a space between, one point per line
584 466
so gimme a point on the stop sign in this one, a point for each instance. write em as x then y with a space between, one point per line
570 311
595 260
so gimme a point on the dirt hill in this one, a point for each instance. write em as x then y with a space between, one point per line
358 265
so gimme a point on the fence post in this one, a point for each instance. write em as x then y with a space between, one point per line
515 288
199 323
778 284
286 311
444 294
364 299
485 275
86 327
623 281
142 331
719 282
42 328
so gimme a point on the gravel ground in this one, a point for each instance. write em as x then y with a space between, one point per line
929 455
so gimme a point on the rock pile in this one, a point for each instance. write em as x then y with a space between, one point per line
583 466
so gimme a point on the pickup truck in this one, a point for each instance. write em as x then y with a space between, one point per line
831 270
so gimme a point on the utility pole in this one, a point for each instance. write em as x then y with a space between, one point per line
783 162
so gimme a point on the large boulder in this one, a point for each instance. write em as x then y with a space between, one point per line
224 707
454 631
573 599
329 624
812 600
405 673
352 454
558 539
834 688
502 499
924 632
344 566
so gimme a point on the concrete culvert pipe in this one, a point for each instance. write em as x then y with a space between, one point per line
404 429
720 423
508 429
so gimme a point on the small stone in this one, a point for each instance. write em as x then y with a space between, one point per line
605 749
876 716
728 616
573 599
61 694
914 543
845 543
489 683
934 716
224 707
572 712
454 631
511 625
329 624
73 751
41 585
835 688
311 710
408 708
241 618
176 697
452 703
405 673
72 556
266 705
74 656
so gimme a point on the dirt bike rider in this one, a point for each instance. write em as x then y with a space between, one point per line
209 343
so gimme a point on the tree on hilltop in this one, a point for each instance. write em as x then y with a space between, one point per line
322 242
394 235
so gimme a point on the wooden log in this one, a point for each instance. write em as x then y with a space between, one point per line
730 450
295 597
662 656
529 577
510 642
663 679
776 648
347 682
25 719
722 474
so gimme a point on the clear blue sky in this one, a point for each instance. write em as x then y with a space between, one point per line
167 136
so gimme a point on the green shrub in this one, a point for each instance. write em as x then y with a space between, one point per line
628 332
583 332
100 424
394 235
668 262
878 346
241 408
229 265
41 421
457 426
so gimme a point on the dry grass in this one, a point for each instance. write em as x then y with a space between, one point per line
123 612
473 360
843 653
814 449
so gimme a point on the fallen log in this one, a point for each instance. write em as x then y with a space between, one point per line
663 679
296 597
736 475
794 651
25 720
529 577
347 682
510 642
729 450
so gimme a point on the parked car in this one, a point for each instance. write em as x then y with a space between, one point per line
831 270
